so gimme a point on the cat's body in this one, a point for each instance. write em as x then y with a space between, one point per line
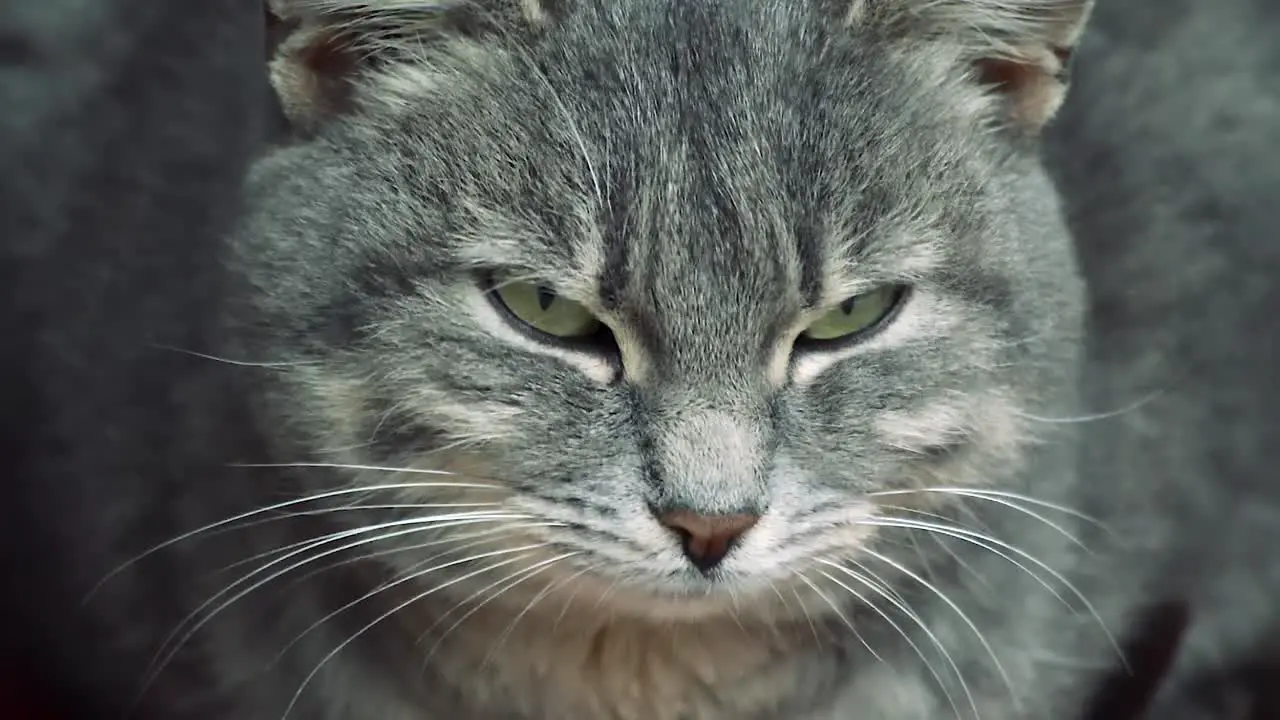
707 177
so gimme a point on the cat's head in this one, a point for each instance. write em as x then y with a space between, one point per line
659 276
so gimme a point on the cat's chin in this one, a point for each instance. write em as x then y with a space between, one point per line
697 601
665 608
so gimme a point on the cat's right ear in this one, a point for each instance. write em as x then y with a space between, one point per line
314 62
1019 51
332 52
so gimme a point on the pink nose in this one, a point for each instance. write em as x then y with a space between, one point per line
707 539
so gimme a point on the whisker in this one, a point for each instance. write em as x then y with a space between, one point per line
416 524
735 611
511 626
568 602
985 542
507 583
369 468
1003 502
570 123
808 616
398 608
840 614
604 596
316 513
173 643
906 610
339 449
408 575
1092 417
458 606
270 509
938 541
238 363
964 617
992 496
881 587
487 535
386 415
786 604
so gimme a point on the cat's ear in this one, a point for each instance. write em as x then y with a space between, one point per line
330 49
1021 49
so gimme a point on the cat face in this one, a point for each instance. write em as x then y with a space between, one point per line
679 299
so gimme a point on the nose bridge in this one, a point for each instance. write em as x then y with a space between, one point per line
717 364
714 300
710 459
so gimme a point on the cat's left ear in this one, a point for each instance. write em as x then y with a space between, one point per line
332 54
1020 49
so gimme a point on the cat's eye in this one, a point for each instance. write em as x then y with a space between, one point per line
542 309
856 315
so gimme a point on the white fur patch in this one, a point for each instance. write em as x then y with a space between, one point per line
936 425
986 417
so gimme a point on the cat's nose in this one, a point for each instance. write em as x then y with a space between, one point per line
706 539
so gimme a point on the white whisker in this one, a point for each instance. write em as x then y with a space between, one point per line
992 495
570 123
486 536
964 617
386 415
415 599
408 575
911 615
735 611
786 604
938 541
173 643
511 626
604 596
1093 417
808 616
346 508
238 363
986 542
507 583
568 602
270 509
1025 511
369 468
840 614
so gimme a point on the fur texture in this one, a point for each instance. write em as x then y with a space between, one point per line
322 474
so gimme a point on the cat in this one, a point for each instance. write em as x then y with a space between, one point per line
664 360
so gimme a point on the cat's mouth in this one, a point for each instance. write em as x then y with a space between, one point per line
692 599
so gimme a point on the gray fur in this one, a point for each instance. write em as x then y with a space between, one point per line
705 176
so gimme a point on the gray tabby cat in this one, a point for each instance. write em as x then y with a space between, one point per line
723 360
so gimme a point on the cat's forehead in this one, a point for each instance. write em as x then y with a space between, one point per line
727 157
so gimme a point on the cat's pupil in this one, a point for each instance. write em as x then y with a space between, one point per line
545 297
846 307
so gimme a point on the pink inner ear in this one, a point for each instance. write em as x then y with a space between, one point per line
332 62
1033 86
312 72
1004 75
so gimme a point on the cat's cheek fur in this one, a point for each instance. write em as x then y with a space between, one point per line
962 421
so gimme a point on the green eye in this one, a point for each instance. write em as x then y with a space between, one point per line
856 314
542 309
